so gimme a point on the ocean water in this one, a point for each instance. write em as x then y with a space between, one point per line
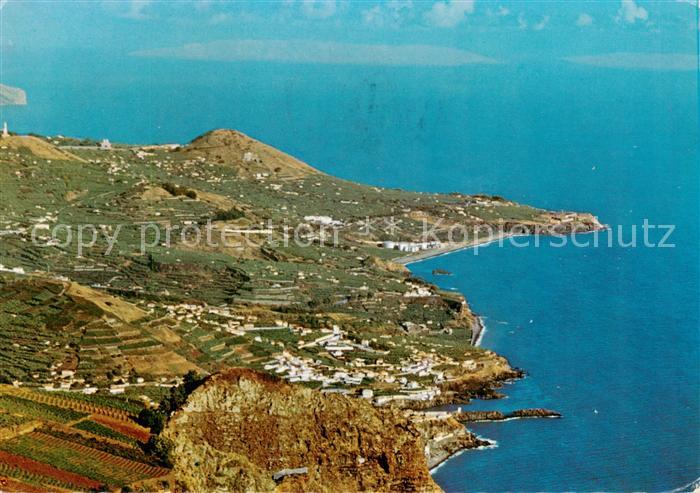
610 337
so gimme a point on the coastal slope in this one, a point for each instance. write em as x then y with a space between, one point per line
109 297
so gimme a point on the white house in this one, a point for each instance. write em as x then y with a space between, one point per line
249 156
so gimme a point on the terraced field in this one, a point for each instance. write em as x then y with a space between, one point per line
63 443
74 458
36 409
11 419
101 430
37 473
72 407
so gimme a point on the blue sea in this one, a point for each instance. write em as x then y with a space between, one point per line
609 336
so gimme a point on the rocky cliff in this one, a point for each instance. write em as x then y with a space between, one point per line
242 427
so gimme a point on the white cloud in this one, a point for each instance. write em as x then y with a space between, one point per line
584 20
318 9
542 24
694 3
373 16
136 9
391 13
630 12
522 23
316 52
220 18
640 61
202 5
449 13
503 11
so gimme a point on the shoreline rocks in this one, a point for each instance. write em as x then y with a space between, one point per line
476 416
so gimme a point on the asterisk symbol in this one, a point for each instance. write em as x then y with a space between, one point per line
392 225
365 226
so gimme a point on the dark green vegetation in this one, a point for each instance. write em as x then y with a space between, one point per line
33 409
155 418
104 431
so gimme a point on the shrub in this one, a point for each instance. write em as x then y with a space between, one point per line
177 190
160 448
228 215
155 419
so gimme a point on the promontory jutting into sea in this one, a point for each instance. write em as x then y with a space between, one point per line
326 246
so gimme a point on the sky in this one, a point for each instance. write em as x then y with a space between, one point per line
632 34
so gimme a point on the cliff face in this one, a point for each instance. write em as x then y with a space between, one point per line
241 427
444 436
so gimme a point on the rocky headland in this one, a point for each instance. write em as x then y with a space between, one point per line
476 416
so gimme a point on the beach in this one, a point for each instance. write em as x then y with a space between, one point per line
478 332
451 247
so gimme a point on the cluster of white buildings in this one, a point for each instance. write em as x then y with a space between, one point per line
232 323
14 270
66 381
408 395
336 344
358 374
249 157
422 368
323 221
295 368
298 369
410 246
416 291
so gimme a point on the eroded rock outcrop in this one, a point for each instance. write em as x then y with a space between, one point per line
241 427
444 436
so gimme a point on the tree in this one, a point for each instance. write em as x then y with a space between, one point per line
177 398
159 447
191 381
154 419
